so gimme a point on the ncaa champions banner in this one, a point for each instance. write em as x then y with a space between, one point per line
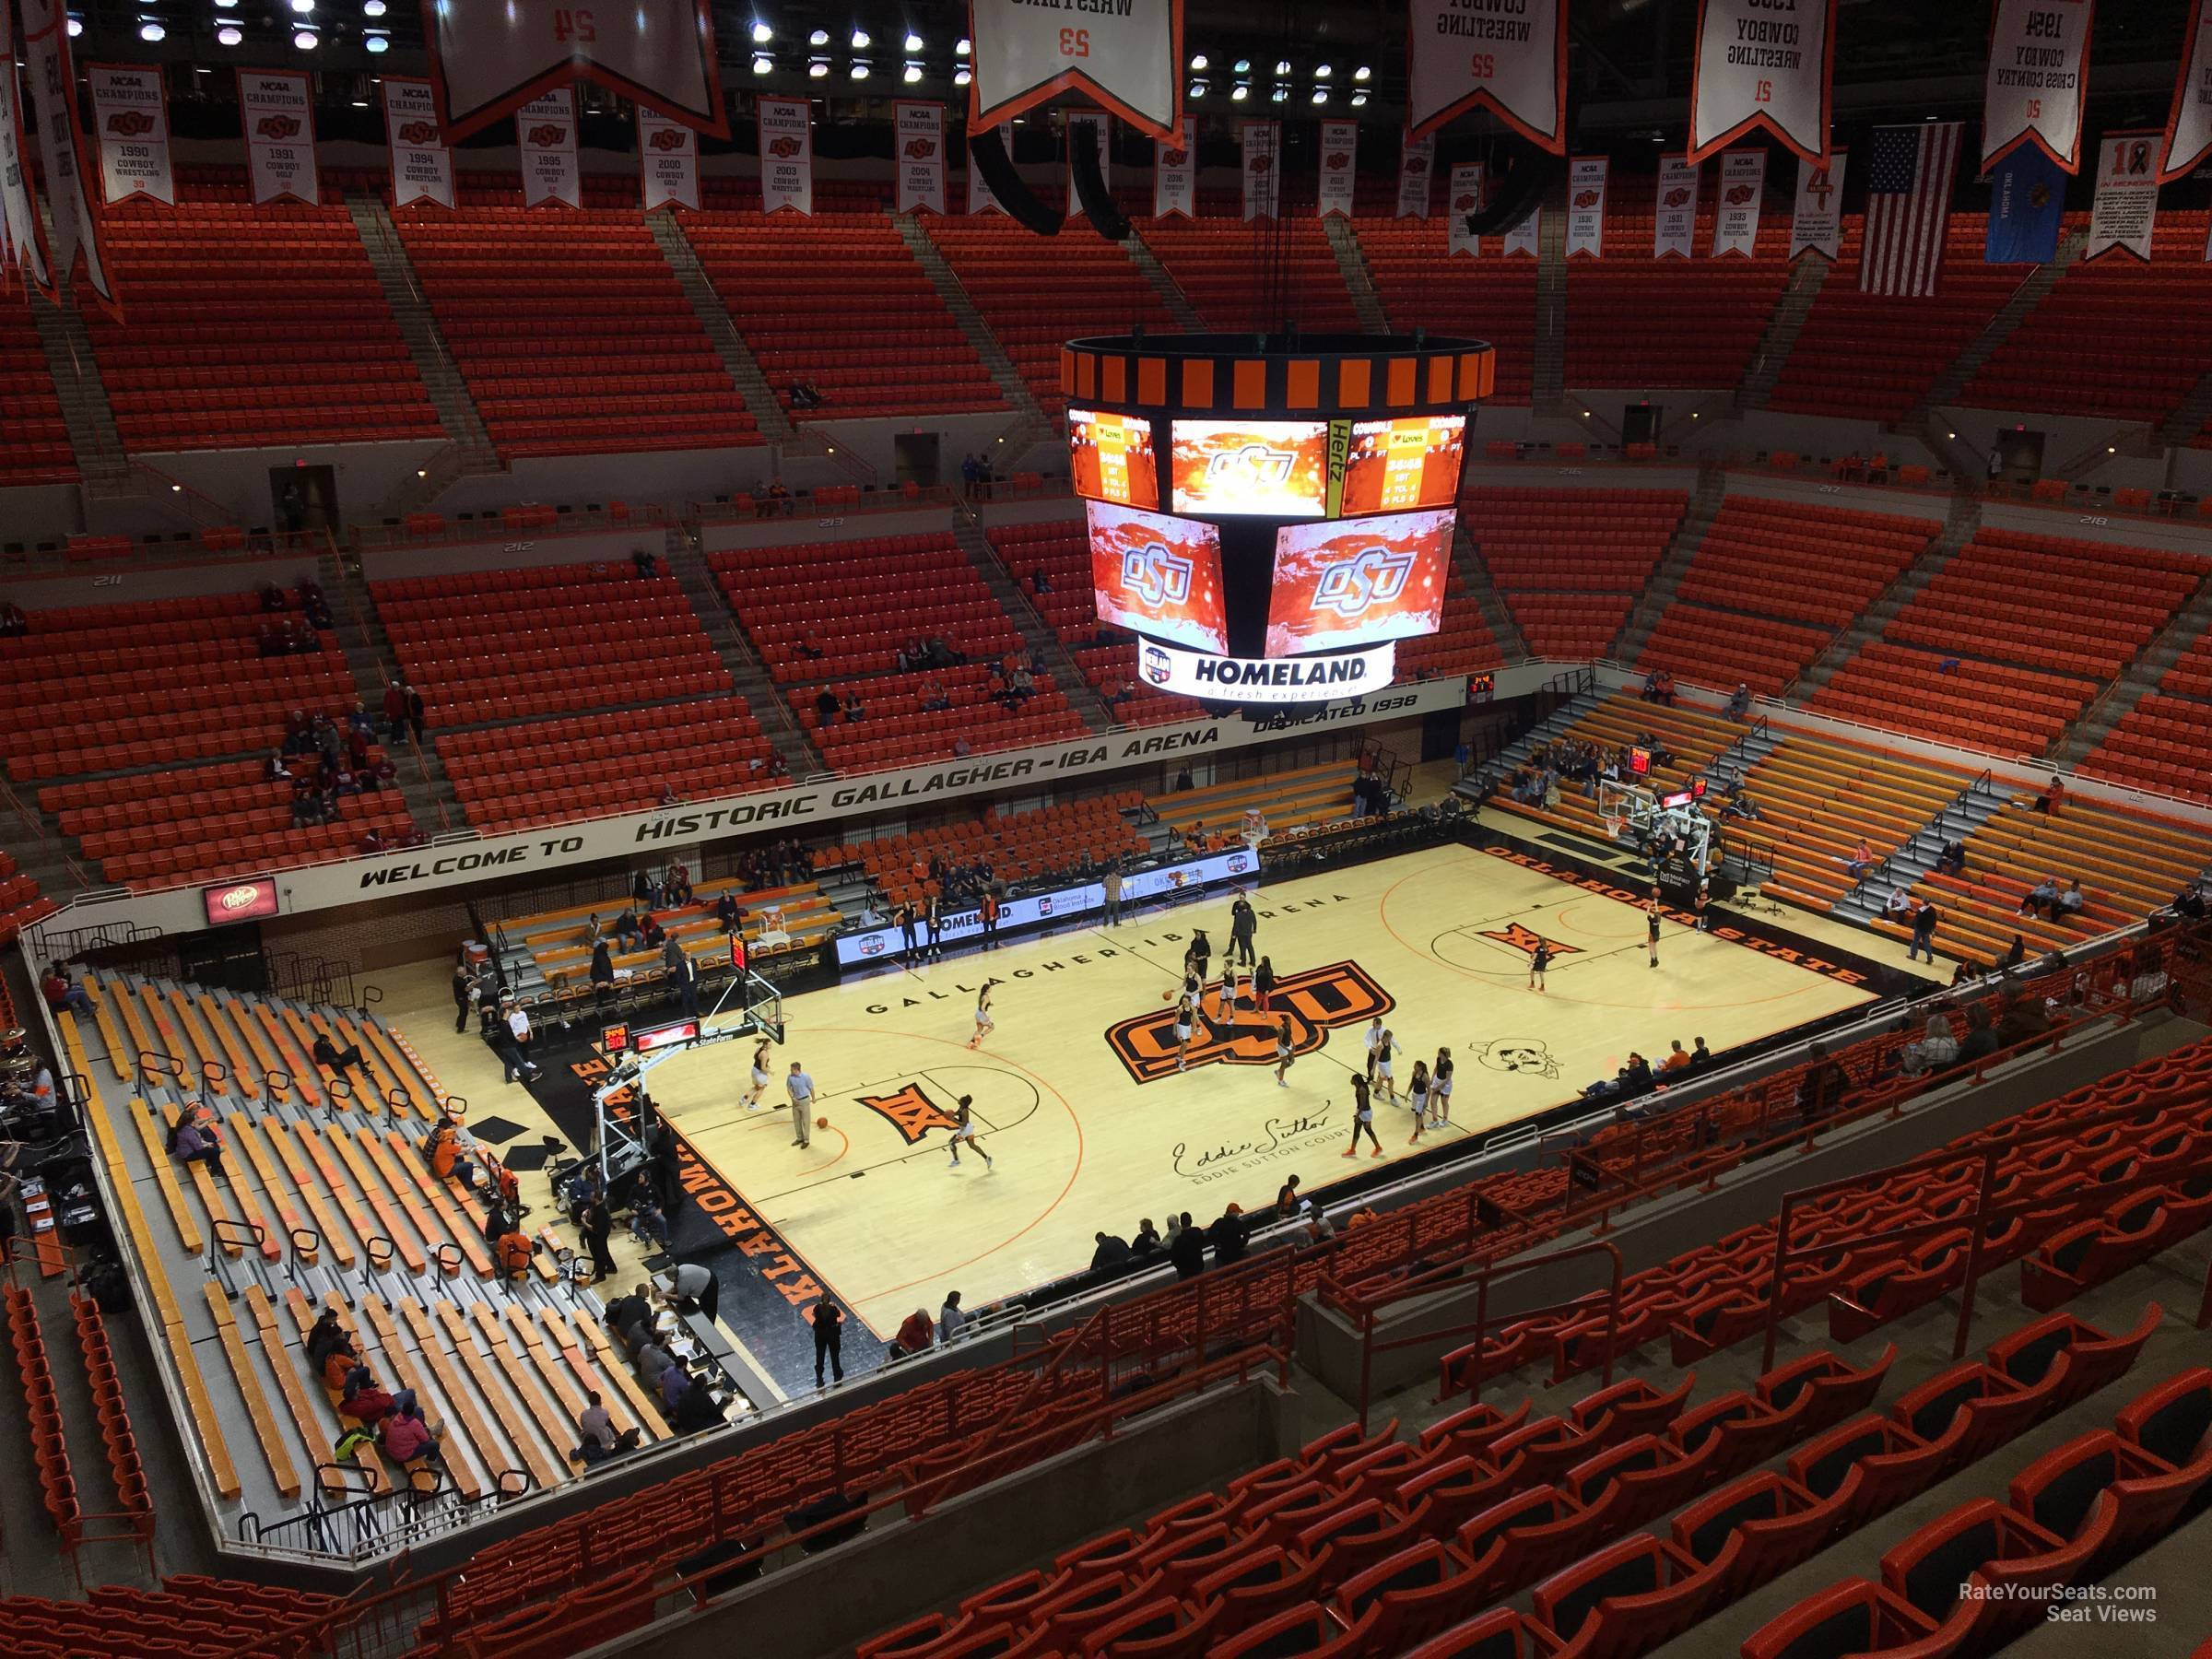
1464 197
919 131
1089 129
1675 212
1339 167
1416 164
1262 177
422 167
22 237
1522 238
490 57
787 155
544 129
279 116
1818 224
2126 207
2189 127
1762 65
1735 214
1175 172
130 106
2039 73
1586 206
667 161
1127 56
1506 56
980 198
61 145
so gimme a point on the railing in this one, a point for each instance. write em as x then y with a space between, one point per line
489 528
1982 783
801 504
302 978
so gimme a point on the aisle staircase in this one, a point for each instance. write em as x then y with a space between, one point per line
1178 306
737 360
1791 308
2141 677
1044 645
1962 519
1704 506
1351 264
687 563
1547 389
100 462
1011 386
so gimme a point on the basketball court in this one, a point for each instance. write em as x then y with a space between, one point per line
1091 1125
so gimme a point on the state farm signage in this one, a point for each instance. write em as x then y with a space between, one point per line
240 901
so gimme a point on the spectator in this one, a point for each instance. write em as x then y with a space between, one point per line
1285 1199
829 1321
2052 799
1861 857
727 912
648 1222
1897 907
194 1140
2190 901
853 711
1226 1236
675 884
514 1253
1938 1047
697 1409
602 972
675 1381
327 1053
1923 933
1981 1036
915 1334
62 993
1111 1252
395 710
414 712
1187 1248
810 646
1147 1243
778 497
1677 1058
952 1324
1739 701
630 1317
1700 1057
1951 861
595 1431
2015 953
654 1361
325 1338
404 1435
1825 1086
2039 898
2069 902
689 1282
626 929
644 891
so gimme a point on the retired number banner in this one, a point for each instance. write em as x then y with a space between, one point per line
1763 66
1091 129
22 237
667 161
1524 237
2126 207
787 155
1674 214
1818 224
279 116
2039 72
131 108
919 131
1262 141
1506 56
1339 167
544 129
1175 172
2189 127
422 167
1417 166
1125 55
489 58
61 145
1586 206
1464 197
1735 214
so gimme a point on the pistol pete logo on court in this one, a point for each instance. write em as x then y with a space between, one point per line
1317 1001
910 1112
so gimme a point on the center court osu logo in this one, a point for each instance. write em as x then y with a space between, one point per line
910 1112
1155 575
1318 1001
1375 576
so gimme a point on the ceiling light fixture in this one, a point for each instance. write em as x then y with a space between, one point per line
912 73
762 35
1197 60
762 62
1197 89
1362 73
306 40
151 31
1238 93
820 37
377 43
961 48
1323 72
914 40
818 68
860 39
230 34
1358 100
960 76
1321 95
860 72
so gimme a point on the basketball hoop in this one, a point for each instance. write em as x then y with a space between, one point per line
1613 824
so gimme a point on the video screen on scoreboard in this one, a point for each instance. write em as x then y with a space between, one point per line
1399 465
1358 582
1112 460
1159 575
1278 468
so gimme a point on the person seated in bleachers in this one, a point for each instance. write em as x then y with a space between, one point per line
1861 857
675 884
1739 701
514 1251
194 1140
2190 901
370 840
360 1396
602 973
325 1338
1951 861
1650 687
328 1054
626 929
1897 908
276 772
2015 953
651 936
777 497
14 624
630 1317
596 1439
649 1223
2053 797
914 1337
727 914
404 1436
2039 898
644 892
696 1408
810 646
441 1147
853 711
932 696
63 995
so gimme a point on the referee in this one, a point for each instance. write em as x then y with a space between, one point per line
801 1088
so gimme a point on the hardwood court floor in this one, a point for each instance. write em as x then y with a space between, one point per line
1091 1126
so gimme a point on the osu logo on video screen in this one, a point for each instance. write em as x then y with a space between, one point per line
1253 463
1318 1001
1375 576
1155 575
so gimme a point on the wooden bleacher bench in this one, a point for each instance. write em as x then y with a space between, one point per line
304 1181
314 1434
283 1471
458 1452
495 1352
368 1458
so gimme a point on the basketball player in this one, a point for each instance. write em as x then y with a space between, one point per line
904 917
760 1087
1230 976
1440 1089
1538 961
1374 1040
1283 1046
1200 954
1383 1071
984 1024
1363 1119
1417 1096
963 1129
1263 985
1650 930
1186 1017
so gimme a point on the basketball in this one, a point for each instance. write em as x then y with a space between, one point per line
821 1123
1166 996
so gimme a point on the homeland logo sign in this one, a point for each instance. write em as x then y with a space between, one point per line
1267 679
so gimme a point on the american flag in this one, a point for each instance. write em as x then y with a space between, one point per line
1908 206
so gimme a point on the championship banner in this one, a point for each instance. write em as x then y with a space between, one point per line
2127 196
787 155
2189 125
130 106
422 167
1735 215
1339 167
1586 206
2039 73
489 58
1417 166
919 131
1761 66
61 145
1818 224
1522 236
1262 142
1674 210
1086 128
979 197
1464 197
1127 56
544 131
22 237
1175 174
1506 56
278 110
667 161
